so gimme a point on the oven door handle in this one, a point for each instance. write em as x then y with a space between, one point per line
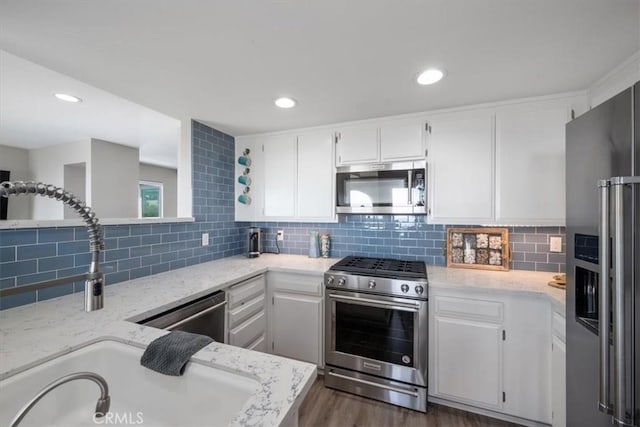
372 384
410 307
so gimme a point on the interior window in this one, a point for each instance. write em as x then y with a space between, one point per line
150 200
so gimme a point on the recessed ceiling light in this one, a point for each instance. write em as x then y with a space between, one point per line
66 97
285 102
430 76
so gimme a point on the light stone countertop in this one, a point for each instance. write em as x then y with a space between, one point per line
37 332
514 281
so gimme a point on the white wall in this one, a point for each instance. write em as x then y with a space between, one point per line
169 179
16 161
114 179
47 165
75 181
620 78
185 198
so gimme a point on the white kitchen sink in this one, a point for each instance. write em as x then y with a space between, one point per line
202 396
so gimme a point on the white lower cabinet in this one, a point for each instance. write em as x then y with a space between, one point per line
467 343
296 316
558 373
246 318
491 351
468 361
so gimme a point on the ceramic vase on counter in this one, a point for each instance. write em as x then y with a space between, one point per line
314 245
325 245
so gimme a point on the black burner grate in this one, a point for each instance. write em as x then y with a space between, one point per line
383 267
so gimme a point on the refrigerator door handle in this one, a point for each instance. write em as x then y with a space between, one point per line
623 412
604 401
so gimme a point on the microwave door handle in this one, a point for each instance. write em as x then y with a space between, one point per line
604 400
410 186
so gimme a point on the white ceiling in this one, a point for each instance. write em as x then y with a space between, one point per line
31 117
224 62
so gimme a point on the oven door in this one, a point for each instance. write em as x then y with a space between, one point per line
377 335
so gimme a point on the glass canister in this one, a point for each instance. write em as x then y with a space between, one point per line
314 249
325 245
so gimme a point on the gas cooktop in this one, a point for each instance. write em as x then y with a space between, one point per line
382 267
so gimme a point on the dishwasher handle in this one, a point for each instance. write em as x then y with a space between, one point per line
195 316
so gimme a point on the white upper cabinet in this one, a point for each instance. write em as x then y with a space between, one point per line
280 172
460 166
316 176
401 139
530 173
292 177
357 144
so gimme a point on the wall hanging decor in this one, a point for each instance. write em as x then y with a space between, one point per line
245 178
481 248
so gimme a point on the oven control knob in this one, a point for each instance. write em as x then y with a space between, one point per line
341 281
419 290
372 284
404 288
330 280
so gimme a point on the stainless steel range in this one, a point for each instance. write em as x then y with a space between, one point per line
376 329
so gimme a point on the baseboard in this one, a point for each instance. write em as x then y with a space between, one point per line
486 412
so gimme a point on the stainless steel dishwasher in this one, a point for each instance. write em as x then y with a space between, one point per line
205 315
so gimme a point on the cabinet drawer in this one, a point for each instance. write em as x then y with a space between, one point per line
489 311
245 291
248 332
259 345
559 327
245 310
296 283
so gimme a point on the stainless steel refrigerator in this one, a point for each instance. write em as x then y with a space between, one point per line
603 264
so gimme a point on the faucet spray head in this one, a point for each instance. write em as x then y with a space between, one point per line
102 407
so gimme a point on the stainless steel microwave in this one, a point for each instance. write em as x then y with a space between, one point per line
382 188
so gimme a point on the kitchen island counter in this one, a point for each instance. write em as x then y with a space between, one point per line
37 332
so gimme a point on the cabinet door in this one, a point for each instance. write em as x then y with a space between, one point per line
558 384
528 344
402 140
279 176
296 326
468 361
530 153
357 144
316 176
460 166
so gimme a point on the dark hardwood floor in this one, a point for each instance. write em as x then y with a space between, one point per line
331 408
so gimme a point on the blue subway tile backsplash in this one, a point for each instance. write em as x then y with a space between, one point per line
133 251
409 237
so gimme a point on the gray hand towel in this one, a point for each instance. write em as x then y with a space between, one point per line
170 353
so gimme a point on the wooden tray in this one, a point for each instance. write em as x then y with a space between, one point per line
480 248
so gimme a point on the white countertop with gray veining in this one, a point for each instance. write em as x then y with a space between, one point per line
36 332
514 281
